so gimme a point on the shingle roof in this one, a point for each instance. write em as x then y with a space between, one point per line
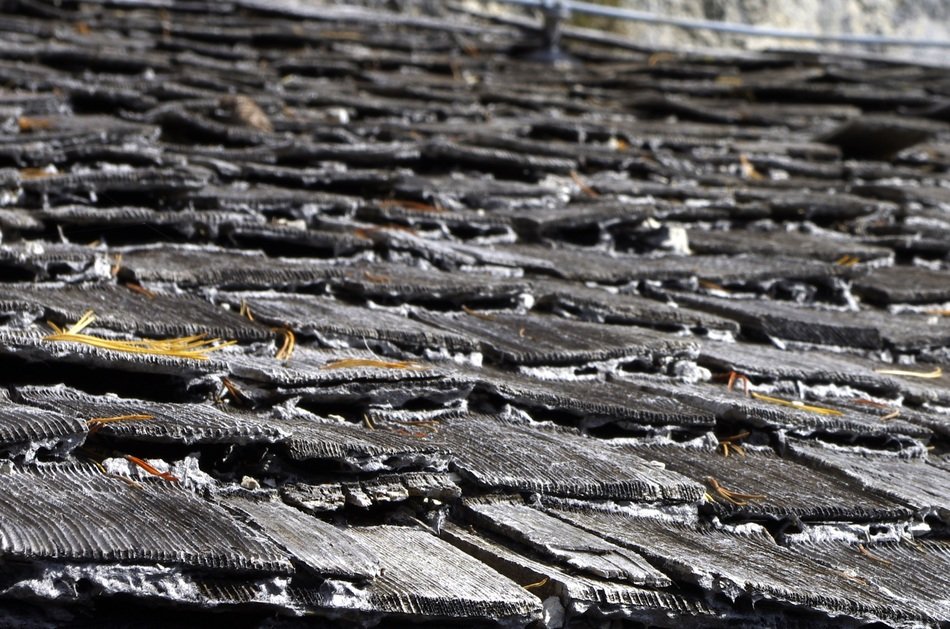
394 325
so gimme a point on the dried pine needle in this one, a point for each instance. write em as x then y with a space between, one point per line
376 278
195 347
660 57
821 410
236 394
36 173
287 346
247 113
748 169
348 363
411 205
135 287
116 265
734 377
847 260
125 479
28 125
582 185
709 285
732 497
151 469
246 311
536 584
936 372
477 314
891 413
729 80
728 444
96 423
864 551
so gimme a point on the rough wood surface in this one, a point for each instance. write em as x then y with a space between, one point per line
488 326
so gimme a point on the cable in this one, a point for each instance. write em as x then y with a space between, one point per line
727 27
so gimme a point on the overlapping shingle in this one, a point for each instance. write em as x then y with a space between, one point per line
375 202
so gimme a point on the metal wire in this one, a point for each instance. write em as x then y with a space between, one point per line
728 27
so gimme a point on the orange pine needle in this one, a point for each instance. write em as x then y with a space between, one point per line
151 469
733 497
287 346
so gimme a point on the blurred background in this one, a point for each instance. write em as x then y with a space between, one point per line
917 19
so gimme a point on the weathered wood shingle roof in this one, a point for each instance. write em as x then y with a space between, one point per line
393 325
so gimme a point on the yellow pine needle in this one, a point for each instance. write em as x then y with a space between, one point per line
99 421
287 346
847 260
892 415
345 363
195 347
731 81
821 410
246 311
936 372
